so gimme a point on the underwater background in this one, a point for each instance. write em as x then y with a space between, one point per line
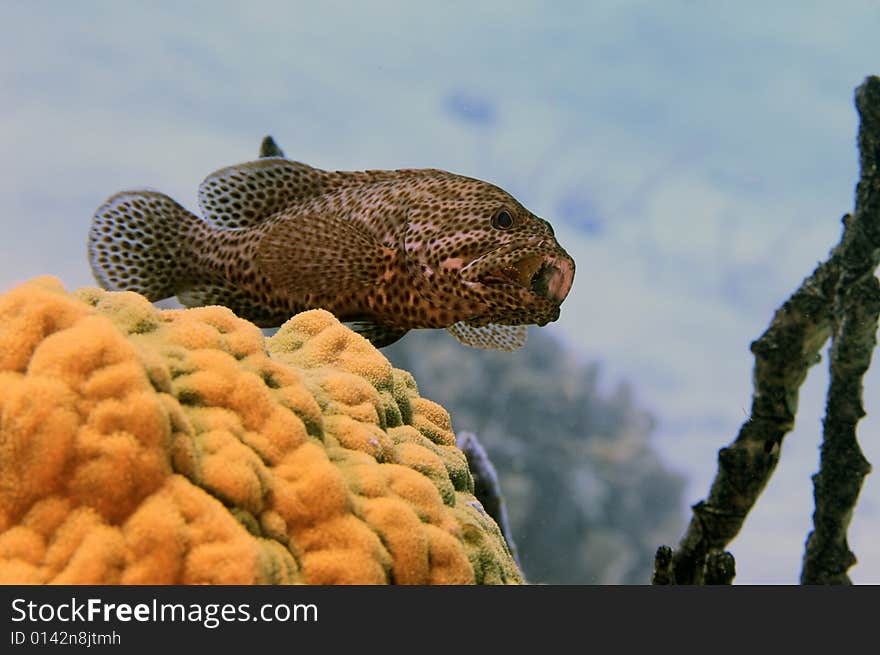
694 158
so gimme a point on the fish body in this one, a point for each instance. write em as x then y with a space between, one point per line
389 251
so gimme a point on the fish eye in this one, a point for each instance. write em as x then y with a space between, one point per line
502 220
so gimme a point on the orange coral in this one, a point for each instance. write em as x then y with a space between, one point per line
142 446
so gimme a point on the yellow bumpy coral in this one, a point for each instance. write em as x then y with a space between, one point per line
147 446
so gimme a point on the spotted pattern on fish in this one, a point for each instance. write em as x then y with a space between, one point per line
388 251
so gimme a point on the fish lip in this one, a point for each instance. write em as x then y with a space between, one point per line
547 276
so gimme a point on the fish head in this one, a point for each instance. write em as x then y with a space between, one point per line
472 245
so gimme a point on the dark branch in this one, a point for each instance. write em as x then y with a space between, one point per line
720 568
784 353
663 574
782 356
843 466
487 487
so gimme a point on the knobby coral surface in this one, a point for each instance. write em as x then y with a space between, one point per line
147 446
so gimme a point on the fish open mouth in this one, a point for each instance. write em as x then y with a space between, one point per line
544 275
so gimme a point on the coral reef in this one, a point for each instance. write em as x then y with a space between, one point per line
147 446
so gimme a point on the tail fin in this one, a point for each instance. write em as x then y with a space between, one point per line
135 243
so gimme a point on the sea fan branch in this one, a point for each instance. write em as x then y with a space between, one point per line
841 300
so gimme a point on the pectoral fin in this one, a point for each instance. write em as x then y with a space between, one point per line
321 255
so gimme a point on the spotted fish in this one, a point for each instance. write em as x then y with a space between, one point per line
387 251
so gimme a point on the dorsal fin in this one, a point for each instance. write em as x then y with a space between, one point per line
247 194
268 147
490 337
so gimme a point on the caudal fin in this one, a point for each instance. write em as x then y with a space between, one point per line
135 243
